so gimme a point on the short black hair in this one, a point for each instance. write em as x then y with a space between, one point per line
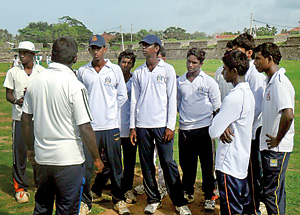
199 53
64 50
162 51
238 60
269 49
229 44
128 53
245 41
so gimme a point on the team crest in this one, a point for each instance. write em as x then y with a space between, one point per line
94 38
160 78
107 81
202 90
268 97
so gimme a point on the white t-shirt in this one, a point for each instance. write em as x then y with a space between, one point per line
58 102
223 85
237 111
279 95
197 100
17 80
153 97
125 113
107 93
256 81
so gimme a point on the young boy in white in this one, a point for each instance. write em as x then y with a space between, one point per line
233 124
277 135
198 97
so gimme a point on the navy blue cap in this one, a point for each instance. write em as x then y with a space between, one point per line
97 40
151 39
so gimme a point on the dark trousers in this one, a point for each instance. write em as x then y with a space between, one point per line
145 141
274 167
109 145
62 183
255 173
19 149
193 144
129 160
234 194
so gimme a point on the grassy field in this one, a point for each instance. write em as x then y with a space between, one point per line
9 206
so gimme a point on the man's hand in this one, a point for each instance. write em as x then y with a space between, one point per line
20 101
272 142
226 136
99 165
133 138
30 156
168 135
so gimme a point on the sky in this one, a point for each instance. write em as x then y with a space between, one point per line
209 16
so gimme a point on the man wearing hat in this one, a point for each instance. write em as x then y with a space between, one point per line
153 117
16 82
107 93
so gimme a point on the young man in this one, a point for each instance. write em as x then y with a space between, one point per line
58 103
233 152
107 93
277 135
126 61
16 82
245 44
198 99
223 85
153 118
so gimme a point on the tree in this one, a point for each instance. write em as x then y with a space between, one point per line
175 33
39 32
5 36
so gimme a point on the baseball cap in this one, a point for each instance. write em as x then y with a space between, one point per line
151 39
26 45
97 40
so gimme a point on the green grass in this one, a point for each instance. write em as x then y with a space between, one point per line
9 206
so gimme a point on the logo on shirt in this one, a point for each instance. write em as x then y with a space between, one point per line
107 81
202 90
160 79
268 97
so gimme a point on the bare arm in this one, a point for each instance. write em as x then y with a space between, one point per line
27 131
89 140
10 98
286 120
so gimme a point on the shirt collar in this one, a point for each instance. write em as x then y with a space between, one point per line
279 72
108 63
61 67
161 63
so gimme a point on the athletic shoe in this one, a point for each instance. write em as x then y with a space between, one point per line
162 191
183 210
210 204
130 197
188 197
22 197
121 208
84 209
97 198
151 208
139 189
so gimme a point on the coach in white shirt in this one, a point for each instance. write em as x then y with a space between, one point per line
198 98
233 152
107 93
277 135
153 117
245 43
58 103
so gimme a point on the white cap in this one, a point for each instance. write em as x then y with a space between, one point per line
26 45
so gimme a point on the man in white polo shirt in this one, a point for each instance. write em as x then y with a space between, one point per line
107 93
198 99
245 43
233 152
277 135
16 82
153 118
58 103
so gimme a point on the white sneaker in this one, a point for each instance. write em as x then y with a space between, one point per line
162 191
22 197
84 209
151 208
210 205
130 197
183 210
139 189
121 208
